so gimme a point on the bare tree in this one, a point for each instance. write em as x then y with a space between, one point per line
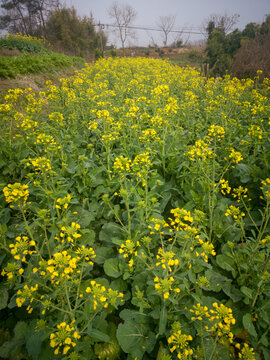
123 16
223 22
166 24
26 16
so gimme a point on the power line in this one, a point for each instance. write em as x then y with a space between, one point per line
185 31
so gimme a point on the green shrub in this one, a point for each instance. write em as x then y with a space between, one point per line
23 43
10 66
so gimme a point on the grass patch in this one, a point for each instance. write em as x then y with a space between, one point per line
11 66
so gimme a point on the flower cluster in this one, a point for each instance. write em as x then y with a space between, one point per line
223 318
180 343
149 136
266 188
26 294
47 141
181 219
20 249
216 131
40 164
141 165
206 249
122 166
102 297
255 132
166 259
12 270
16 193
157 225
199 312
239 193
64 338
63 202
129 248
224 187
235 156
200 151
57 118
235 212
61 266
246 353
164 286
69 233
86 253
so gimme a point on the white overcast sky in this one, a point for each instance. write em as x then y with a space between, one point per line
189 13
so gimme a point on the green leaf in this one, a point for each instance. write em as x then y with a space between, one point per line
226 263
248 325
247 291
98 335
135 338
103 253
266 353
85 217
3 298
264 340
163 320
20 330
33 345
111 268
6 349
111 232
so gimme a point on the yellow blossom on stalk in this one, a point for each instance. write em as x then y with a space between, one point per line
200 151
216 131
129 248
266 241
165 286
149 136
171 107
16 193
26 294
225 188
181 219
166 260
239 193
64 338
70 233
12 270
157 225
40 164
56 117
87 253
255 132
199 312
102 297
20 249
141 165
246 353
235 156
45 139
60 266
266 188
107 138
63 202
161 90
180 342
223 318
235 212
5 108
203 282
206 249
123 166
